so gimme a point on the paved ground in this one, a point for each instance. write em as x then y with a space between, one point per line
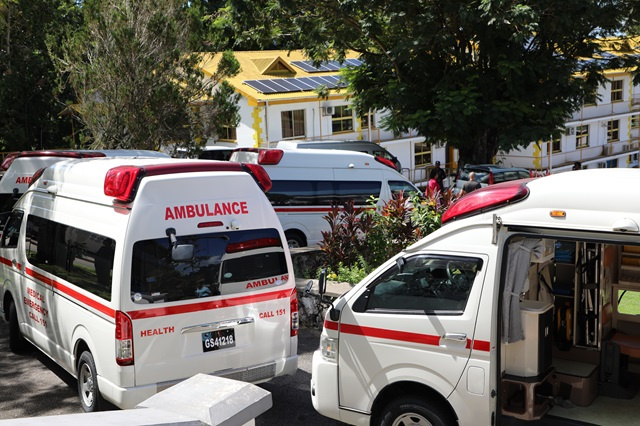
31 385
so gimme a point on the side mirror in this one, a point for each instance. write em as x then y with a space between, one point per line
182 252
322 281
400 262
15 194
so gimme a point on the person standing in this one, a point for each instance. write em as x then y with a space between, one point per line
441 175
433 187
471 185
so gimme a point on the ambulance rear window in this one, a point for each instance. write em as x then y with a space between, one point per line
224 263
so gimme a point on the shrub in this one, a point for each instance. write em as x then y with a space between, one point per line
359 240
352 274
344 241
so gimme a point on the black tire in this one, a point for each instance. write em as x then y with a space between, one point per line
414 411
88 391
17 342
295 240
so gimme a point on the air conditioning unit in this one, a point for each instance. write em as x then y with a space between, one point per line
607 149
570 131
625 147
328 110
633 146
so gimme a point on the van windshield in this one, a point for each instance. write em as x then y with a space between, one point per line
224 263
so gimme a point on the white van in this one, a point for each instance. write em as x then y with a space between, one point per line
19 167
522 308
134 274
308 183
367 147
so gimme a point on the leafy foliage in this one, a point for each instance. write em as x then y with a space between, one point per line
359 240
344 241
30 111
133 71
479 75
351 274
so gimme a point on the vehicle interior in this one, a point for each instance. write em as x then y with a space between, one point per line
579 361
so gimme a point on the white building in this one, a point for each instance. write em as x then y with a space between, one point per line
604 134
280 101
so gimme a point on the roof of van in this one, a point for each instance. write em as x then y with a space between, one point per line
86 178
594 199
79 153
315 158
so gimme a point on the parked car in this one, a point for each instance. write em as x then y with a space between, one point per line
367 147
217 152
488 174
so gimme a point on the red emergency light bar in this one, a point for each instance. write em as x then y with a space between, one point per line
488 198
122 182
253 244
385 161
68 154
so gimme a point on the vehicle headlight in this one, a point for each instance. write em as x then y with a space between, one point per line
329 348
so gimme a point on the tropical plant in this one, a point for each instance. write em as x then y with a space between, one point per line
344 241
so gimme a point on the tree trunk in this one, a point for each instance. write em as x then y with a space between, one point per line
483 151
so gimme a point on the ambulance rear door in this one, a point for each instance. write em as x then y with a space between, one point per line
211 288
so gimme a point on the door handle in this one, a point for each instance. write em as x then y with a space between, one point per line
456 337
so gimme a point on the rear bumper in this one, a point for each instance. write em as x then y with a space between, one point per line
126 398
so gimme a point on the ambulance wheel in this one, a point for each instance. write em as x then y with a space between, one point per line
410 410
88 383
295 240
17 342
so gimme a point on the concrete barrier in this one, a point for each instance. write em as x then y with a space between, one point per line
200 400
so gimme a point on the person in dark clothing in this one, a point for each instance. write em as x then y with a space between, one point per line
471 185
441 175
577 166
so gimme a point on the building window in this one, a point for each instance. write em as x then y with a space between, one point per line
582 136
342 119
422 154
292 124
556 145
228 133
635 121
613 130
616 90
368 118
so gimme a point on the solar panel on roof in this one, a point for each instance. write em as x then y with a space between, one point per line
326 66
286 85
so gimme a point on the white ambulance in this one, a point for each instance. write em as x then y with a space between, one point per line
134 274
523 308
19 167
308 183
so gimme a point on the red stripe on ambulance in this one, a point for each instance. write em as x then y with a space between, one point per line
403 336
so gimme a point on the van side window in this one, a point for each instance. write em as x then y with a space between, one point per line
425 284
224 263
321 193
407 189
11 231
80 257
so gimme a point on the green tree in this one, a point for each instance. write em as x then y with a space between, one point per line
133 69
29 105
480 75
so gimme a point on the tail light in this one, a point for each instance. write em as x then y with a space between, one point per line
260 175
124 339
295 320
491 180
